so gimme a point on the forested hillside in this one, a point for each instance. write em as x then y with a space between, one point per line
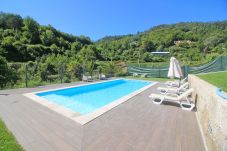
187 41
49 52
23 39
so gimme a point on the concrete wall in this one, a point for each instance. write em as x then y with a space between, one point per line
211 114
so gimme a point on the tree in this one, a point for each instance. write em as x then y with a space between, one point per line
47 37
3 72
90 65
84 40
88 53
52 66
148 46
31 28
10 21
10 52
74 67
147 57
76 47
7 76
22 54
54 49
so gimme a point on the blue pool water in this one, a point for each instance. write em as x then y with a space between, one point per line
88 98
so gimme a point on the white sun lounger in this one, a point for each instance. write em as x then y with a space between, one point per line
182 99
103 77
176 83
135 74
87 78
182 88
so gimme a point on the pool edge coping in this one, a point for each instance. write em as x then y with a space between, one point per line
77 117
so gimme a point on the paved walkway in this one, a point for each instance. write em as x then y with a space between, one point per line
136 125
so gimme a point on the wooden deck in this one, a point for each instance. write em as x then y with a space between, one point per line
136 125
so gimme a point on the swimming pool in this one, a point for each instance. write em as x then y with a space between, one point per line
86 99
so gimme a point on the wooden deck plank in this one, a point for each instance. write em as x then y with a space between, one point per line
135 125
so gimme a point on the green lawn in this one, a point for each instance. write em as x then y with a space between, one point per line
149 79
7 140
218 79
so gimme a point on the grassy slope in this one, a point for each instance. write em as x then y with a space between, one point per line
218 79
7 140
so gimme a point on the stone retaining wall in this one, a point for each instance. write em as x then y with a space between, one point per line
211 114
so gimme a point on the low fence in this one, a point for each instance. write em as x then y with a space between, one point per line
25 75
31 74
219 64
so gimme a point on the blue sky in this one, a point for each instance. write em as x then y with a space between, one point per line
98 18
